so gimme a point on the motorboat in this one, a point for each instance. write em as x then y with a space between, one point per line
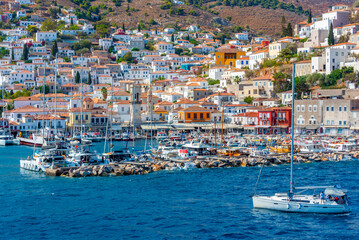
161 136
52 155
116 156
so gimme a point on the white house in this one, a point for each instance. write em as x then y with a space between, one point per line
337 54
46 36
256 58
216 72
242 36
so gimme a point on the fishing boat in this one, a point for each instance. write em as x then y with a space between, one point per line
332 199
35 139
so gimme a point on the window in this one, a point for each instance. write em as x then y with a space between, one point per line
298 108
328 122
87 117
344 122
188 115
303 108
345 109
207 115
201 115
332 122
332 109
195 115
77 118
327 109
310 108
340 122
314 108
340 109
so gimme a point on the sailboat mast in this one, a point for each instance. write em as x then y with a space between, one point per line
111 116
55 98
3 106
222 124
43 106
81 118
292 148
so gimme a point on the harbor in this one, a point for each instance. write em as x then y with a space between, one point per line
142 204
145 167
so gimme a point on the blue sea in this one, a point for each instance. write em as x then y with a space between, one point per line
191 204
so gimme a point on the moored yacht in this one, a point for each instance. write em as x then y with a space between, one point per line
7 139
49 156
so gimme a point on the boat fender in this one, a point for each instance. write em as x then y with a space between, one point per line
288 206
299 206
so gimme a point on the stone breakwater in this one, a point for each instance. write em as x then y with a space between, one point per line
137 168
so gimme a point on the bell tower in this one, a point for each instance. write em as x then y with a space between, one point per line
135 105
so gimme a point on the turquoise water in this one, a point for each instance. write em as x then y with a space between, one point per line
193 204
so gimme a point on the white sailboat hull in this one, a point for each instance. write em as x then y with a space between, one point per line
284 205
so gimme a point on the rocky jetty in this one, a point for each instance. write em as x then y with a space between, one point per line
136 168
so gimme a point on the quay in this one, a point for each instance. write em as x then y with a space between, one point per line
145 167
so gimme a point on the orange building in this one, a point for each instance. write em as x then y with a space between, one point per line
194 114
228 56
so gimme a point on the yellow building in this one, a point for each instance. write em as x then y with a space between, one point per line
75 117
228 56
161 113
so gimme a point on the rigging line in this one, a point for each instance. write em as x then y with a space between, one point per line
259 176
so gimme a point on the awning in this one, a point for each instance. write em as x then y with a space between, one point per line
280 126
185 128
311 127
354 128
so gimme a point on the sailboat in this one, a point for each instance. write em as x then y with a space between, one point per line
324 199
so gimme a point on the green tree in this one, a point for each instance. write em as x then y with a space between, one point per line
152 22
248 99
32 29
77 77
281 83
172 38
288 52
49 25
289 31
301 86
283 24
89 79
331 35
237 79
104 93
123 27
47 89
310 16
53 12
25 53
103 29
55 49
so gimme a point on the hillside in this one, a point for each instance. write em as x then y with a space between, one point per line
210 14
